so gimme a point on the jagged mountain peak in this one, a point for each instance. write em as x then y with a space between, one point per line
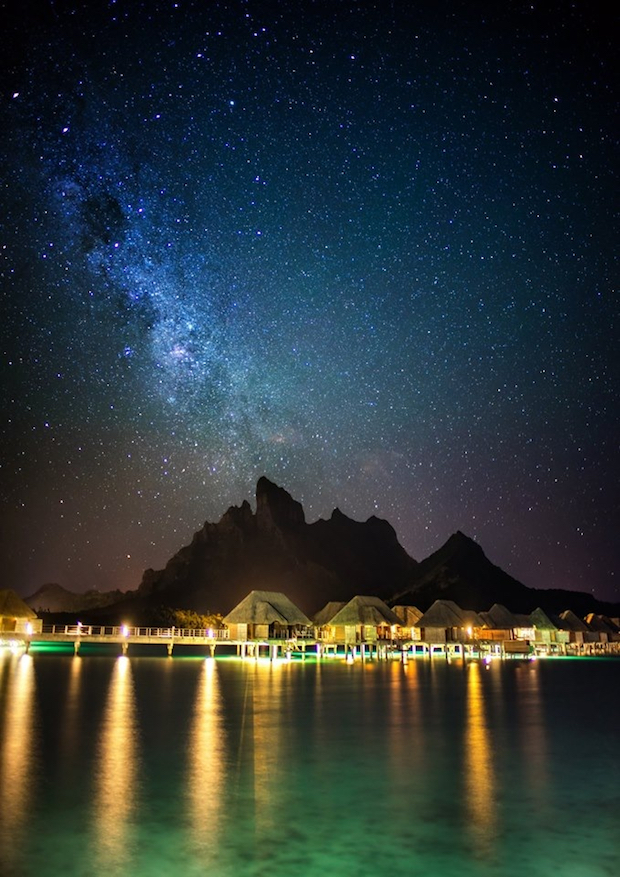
275 507
460 570
275 548
459 543
328 560
238 516
373 523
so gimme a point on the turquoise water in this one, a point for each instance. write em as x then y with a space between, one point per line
154 766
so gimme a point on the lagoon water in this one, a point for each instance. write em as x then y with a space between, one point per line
152 766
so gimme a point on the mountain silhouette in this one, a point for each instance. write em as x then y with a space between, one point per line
461 571
275 549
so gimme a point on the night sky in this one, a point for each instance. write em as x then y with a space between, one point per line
365 249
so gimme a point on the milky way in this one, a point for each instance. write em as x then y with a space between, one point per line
364 249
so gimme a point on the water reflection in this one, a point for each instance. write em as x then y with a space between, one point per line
117 772
480 781
70 724
206 759
17 762
316 768
259 767
268 715
533 738
404 737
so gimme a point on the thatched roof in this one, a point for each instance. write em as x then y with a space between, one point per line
325 615
499 618
570 621
12 606
446 613
523 620
365 610
265 607
600 623
408 614
541 620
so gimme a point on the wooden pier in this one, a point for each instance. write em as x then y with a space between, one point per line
210 639
124 636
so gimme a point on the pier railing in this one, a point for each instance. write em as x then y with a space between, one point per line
123 630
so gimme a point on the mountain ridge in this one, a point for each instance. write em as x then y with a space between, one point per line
459 570
334 558
275 549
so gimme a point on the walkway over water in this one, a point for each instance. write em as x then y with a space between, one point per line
302 645
169 637
124 635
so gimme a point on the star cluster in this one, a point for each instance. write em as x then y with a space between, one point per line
365 249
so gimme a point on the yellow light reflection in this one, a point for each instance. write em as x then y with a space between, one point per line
404 720
70 723
206 764
480 785
259 768
534 742
268 729
17 761
115 783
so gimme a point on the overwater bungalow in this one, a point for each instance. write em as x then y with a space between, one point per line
363 620
547 637
322 618
500 632
604 627
408 615
446 622
16 616
266 615
577 633
498 624
574 625
524 627
518 633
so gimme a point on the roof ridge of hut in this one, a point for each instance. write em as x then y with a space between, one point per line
11 604
442 613
571 621
408 615
499 617
325 615
600 623
266 607
365 609
541 620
